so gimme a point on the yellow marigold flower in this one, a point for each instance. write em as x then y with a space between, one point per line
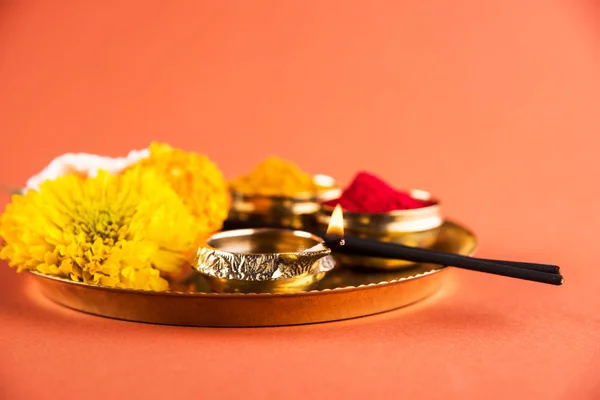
196 179
112 230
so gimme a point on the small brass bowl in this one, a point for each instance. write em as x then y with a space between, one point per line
263 261
298 212
418 227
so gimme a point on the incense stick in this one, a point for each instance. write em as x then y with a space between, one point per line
554 269
372 248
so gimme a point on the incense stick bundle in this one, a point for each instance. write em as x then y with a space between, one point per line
406 250
373 248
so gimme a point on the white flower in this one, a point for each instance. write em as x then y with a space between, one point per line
84 164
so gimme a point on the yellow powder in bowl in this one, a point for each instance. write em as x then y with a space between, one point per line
275 177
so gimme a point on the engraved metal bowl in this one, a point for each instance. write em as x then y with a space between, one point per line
263 261
418 227
296 212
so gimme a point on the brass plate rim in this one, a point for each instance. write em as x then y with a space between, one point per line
207 294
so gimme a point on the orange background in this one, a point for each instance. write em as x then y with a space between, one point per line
492 105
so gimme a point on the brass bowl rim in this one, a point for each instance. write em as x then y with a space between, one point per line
435 206
254 231
300 196
215 259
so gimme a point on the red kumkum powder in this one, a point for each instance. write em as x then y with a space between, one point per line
368 193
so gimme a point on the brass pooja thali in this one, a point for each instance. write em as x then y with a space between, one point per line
342 294
160 236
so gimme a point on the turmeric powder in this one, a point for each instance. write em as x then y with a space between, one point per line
275 177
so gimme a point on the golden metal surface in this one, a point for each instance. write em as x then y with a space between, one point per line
342 294
417 227
296 212
263 260
296 284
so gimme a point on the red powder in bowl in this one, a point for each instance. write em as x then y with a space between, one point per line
368 193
